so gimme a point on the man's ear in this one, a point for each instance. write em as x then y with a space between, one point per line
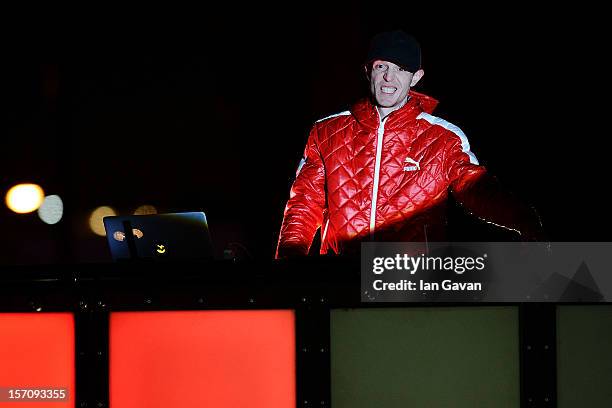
417 77
365 71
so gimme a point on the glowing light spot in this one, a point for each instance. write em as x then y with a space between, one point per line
24 198
95 219
145 209
51 210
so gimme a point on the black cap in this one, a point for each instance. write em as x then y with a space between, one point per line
397 47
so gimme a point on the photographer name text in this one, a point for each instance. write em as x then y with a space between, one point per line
421 285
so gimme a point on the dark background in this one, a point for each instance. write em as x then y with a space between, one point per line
210 111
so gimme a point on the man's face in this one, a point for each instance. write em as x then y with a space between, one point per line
390 84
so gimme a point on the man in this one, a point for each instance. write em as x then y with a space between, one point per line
382 171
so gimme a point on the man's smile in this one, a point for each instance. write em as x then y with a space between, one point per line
388 89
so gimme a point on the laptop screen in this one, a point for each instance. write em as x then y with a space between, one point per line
159 236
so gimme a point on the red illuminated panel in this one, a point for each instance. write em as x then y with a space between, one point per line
36 353
220 359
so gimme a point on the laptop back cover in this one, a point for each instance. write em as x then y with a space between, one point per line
159 236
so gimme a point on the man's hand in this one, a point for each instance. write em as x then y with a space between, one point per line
485 198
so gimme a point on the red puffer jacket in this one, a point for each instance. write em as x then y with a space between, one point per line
363 179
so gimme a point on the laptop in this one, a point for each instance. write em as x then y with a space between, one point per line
175 236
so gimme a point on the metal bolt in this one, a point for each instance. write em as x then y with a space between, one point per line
322 300
528 347
303 300
545 399
83 404
251 300
148 301
99 353
201 300
546 347
304 349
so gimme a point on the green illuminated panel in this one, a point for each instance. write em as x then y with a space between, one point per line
425 357
584 356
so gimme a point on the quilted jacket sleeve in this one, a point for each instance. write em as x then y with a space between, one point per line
304 210
482 195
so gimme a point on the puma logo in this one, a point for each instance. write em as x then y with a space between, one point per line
415 164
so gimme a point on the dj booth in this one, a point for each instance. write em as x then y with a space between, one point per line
284 334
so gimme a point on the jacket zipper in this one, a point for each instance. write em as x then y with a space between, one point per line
379 140
325 232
